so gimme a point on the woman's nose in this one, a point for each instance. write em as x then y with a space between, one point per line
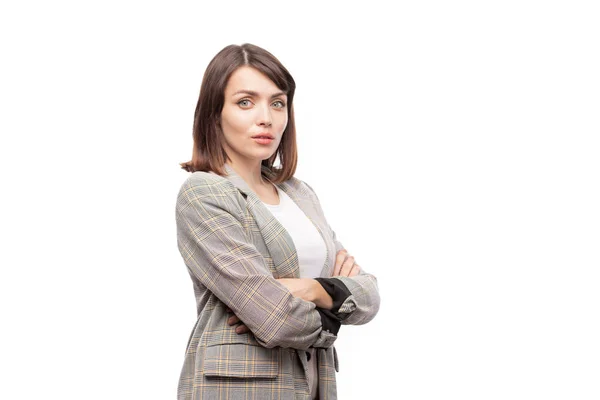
264 117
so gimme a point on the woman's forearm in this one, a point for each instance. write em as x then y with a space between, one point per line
321 298
308 289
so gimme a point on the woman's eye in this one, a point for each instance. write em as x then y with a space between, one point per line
244 101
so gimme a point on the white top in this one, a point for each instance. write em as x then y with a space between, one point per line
311 251
309 244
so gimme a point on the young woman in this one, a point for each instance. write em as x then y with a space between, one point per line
272 283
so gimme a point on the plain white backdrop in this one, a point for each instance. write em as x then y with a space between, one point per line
453 145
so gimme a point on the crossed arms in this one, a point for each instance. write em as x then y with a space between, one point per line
213 244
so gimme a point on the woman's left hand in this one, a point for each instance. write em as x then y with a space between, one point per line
234 320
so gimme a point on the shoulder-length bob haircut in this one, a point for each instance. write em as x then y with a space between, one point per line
208 153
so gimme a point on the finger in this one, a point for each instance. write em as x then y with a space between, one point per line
339 260
233 320
347 266
355 270
242 329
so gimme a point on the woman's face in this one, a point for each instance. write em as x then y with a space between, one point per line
253 105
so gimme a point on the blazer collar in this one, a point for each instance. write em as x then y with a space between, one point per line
278 241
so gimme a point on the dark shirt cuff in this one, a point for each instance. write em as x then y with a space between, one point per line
329 320
338 291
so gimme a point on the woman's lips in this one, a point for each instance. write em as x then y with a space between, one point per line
263 140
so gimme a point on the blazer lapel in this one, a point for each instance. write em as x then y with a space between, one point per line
278 241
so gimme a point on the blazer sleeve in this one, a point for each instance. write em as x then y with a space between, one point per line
212 241
362 304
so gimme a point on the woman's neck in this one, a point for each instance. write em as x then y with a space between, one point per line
252 175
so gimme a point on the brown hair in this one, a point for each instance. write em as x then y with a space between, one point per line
208 153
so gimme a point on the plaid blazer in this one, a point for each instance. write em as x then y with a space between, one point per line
234 250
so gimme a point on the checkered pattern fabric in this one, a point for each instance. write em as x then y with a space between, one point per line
234 249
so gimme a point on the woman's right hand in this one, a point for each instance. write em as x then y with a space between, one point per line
345 265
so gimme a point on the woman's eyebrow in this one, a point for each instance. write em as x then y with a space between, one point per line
253 93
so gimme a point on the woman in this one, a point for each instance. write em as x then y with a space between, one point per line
272 283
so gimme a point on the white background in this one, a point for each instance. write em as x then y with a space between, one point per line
454 147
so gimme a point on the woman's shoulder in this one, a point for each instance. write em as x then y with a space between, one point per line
203 178
204 183
301 186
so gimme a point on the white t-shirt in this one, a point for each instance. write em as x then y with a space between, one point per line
311 251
